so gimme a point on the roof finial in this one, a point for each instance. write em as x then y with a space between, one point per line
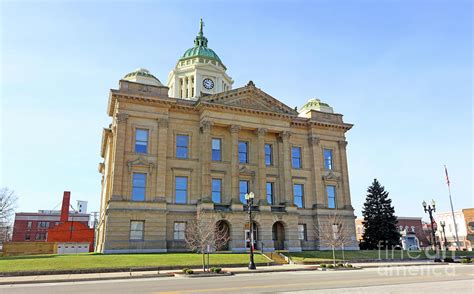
201 26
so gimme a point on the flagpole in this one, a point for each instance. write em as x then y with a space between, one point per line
452 209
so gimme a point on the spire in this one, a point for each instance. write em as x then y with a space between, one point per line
200 40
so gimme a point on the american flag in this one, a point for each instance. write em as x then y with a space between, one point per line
447 177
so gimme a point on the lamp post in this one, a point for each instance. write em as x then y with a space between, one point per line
249 198
443 224
430 209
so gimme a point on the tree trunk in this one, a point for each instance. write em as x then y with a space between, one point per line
203 261
333 256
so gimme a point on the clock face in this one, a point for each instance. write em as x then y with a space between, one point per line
208 84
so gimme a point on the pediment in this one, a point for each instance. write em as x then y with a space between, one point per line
141 162
249 97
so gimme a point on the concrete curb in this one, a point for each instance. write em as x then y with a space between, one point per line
87 279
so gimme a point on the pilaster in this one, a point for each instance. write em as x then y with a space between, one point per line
317 164
346 200
234 132
161 154
285 168
261 176
120 167
205 129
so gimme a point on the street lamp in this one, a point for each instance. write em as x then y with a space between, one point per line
430 209
249 198
443 224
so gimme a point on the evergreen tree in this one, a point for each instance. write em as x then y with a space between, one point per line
380 222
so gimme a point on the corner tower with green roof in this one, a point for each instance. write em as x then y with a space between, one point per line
199 71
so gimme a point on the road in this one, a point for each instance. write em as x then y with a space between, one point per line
419 279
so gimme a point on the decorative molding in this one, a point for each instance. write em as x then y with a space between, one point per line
261 131
331 176
121 117
342 144
140 161
163 122
205 126
246 171
285 135
313 140
234 129
250 83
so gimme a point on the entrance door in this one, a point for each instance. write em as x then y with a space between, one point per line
278 232
247 236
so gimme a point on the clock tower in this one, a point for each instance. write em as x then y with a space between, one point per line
198 72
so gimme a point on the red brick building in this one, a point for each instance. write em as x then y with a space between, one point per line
36 226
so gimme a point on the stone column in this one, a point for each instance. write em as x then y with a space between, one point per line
206 160
161 155
120 167
188 85
345 201
234 131
317 163
261 177
285 169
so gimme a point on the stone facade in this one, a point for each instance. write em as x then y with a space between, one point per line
144 203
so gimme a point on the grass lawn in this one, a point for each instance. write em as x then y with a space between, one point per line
89 261
325 255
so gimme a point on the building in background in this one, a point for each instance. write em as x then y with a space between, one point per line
413 234
68 230
34 226
464 222
198 143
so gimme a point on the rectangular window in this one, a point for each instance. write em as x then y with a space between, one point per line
216 149
141 141
244 189
179 231
268 154
243 152
216 190
27 237
43 225
331 192
296 157
137 229
29 225
302 235
181 195
270 193
182 146
327 159
40 236
138 187
298 195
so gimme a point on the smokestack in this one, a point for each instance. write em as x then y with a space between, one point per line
65 207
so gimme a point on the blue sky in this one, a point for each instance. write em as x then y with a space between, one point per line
400 71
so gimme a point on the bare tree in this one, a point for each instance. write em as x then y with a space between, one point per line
332 231
204 235
8 200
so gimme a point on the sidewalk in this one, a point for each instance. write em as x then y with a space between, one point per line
170 273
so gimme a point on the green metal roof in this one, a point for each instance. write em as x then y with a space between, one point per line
316 104
200 48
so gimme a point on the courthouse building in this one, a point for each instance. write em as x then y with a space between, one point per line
201 143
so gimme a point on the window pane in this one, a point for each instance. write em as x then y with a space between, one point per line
327 158
141 147
243 148
331 193
298 195
216 144
244 189
182 142
139 187
181 189
141 141
216 149
141 135
216 190
268 154
296 157
270 193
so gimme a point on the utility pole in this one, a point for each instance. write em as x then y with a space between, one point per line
452 209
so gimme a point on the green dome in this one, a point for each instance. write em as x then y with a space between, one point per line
200 48
200 51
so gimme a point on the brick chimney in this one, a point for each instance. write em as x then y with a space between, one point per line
65 207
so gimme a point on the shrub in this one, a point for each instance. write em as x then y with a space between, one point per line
323 265
189 272
466 260
340 265
216 270
330 266
184 270
349 265
448 259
